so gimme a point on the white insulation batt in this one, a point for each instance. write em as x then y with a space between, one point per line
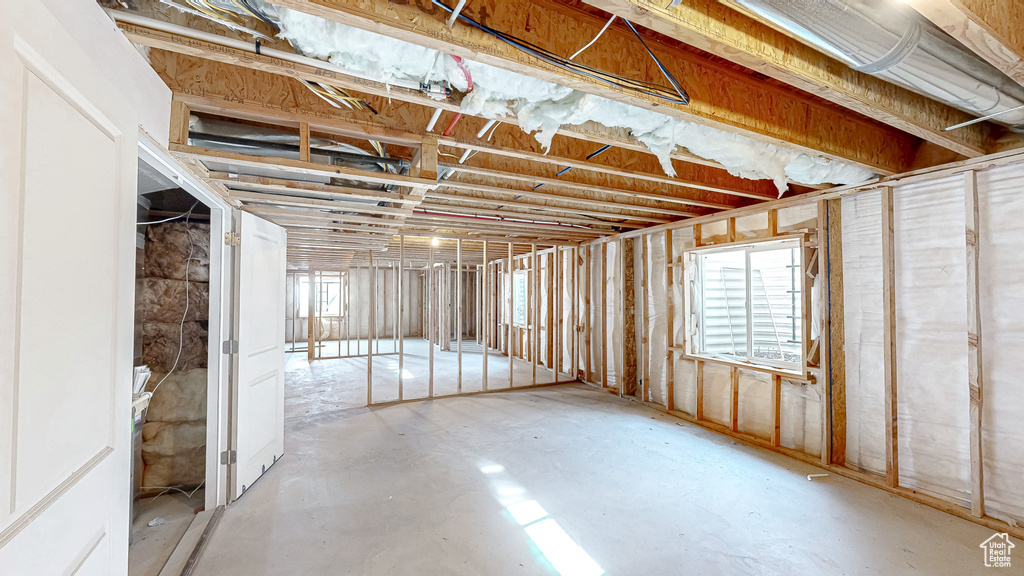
931 337
542 107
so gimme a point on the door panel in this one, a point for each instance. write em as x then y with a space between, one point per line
259 413
67 186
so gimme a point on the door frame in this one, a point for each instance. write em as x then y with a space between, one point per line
220 364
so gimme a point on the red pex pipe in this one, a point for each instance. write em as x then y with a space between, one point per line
469 82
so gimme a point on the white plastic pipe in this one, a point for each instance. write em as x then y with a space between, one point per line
433 120
119 16
486 127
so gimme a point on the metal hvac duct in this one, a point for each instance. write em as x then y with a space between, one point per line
890 40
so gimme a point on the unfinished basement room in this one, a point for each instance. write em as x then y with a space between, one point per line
512 287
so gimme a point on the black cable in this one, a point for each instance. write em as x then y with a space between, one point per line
674 94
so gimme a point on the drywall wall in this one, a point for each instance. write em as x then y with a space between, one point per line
122 64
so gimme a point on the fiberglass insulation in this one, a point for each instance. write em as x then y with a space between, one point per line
931 337
542 107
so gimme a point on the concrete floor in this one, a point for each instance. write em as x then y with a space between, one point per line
442 487
339 383
149 547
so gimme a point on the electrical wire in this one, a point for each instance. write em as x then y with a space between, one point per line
599 34
674 94
182 215
181 325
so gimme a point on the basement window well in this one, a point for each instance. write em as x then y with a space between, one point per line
746 303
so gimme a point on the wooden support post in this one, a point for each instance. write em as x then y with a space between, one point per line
376 338
553 323
734 409
430 321
975 366
508 315
730 234
401 317
348 314
697 235
670 312
776 409
589 313
458 307
645 280
304 141
836 335
700 390
889 357
179 123
535 313
604 313
574 311
311 316
372 285
773 222
824 351
486 320
629 351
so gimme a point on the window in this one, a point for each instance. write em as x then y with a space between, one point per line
747 303
519 316
328 296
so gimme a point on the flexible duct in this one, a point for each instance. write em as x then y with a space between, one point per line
893 42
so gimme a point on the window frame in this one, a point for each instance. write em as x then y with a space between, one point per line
693 291
303 292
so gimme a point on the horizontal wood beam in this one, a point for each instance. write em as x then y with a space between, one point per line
531 179
553 196
766 112
596 167
313 189
714 27
463 198
290 166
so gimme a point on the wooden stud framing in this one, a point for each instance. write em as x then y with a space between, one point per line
646 312
574 269
179 122
975 370
458 307
776 437
824 349
431 322
304 142
734 410
889 357
603 251
371 282
700 390
670 308
552 326
589 312
485 296
555 320
401 317
311 316
535 313
509 324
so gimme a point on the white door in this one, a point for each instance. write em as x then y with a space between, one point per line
68 162
259 386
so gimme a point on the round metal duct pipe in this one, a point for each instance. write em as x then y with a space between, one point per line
893 42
